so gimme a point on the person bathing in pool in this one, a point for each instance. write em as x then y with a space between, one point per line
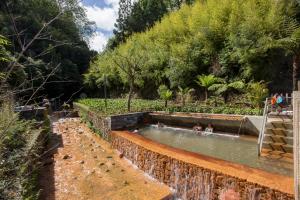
209 129
160 125
197 129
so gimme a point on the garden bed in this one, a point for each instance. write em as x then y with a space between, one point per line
119 106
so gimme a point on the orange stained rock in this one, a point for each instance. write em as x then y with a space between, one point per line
230 194
86 167
273 181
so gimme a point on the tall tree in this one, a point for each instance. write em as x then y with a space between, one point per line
145 13
138 16
255 40
122 30
269 26
45 34
130 60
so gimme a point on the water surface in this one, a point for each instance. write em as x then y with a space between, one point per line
236 149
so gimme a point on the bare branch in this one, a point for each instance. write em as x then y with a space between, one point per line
2 133
53 72
74 94
12 18
49 49
12 64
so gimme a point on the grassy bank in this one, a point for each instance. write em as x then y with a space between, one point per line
21 144
119 106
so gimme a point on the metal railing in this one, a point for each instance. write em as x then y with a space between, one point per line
267 109
262 130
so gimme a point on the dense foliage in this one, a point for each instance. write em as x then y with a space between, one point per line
118 106
239 42
138 16
43 52
19 153
47 38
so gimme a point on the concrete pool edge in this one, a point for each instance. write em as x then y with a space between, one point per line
244 177
243 124
236 124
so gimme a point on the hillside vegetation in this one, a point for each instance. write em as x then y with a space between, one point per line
238 41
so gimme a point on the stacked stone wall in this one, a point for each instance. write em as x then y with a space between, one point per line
105 124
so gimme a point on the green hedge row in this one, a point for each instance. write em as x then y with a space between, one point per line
119 106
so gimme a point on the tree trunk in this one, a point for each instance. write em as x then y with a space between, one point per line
225 96
206 95
105 95
166 103
130 96
296 71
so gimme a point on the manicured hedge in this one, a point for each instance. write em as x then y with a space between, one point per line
119 106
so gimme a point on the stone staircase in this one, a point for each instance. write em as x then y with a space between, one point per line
278 133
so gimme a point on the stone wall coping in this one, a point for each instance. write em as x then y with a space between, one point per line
128 114
204 115
274 181
29 108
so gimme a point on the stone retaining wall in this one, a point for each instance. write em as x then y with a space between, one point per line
98 122
127 121
38 114
198 177
114 122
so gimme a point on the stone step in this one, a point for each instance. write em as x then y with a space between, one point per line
285 158
279 132
280 124
278 139
283 117
267 151
286 148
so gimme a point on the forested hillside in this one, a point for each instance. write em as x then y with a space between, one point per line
138 16
48 52
247 41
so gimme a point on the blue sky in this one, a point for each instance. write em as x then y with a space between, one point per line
104 13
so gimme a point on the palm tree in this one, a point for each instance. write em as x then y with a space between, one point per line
165 94
207 81
227 88
183 93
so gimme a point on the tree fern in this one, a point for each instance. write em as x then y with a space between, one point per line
207 81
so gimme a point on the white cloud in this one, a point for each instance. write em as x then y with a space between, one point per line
98 41
105 18
114 3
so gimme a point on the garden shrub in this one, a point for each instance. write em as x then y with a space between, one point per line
119 106
20 146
